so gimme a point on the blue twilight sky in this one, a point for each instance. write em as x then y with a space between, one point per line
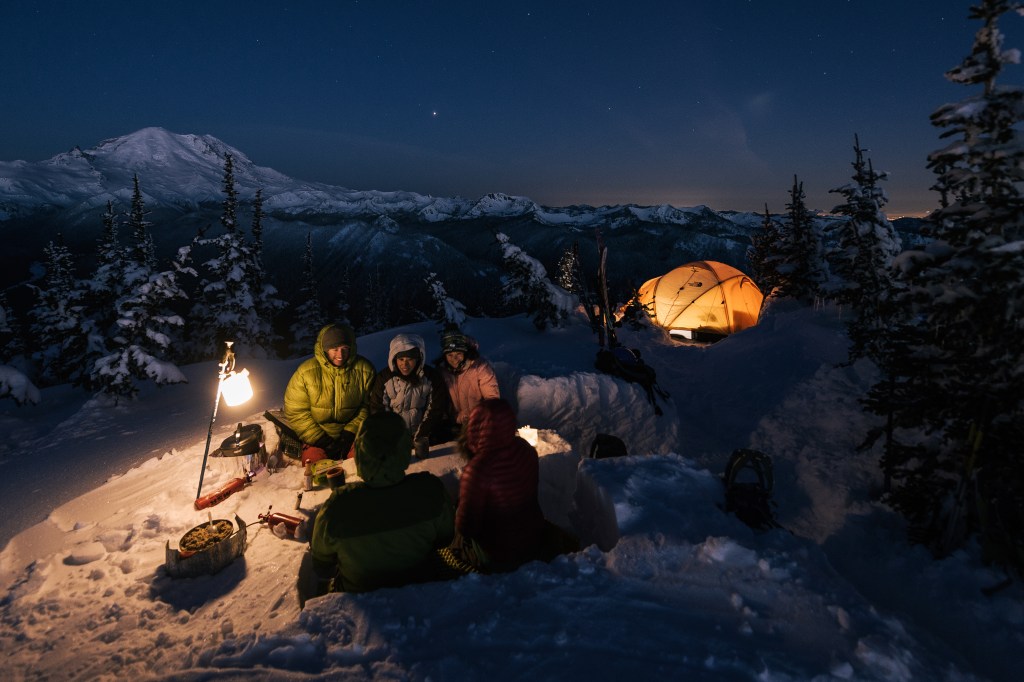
681 102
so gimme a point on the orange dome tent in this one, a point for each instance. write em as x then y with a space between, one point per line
704 298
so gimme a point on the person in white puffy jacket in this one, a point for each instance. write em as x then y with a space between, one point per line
413 389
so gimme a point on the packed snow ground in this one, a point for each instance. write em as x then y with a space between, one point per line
666 586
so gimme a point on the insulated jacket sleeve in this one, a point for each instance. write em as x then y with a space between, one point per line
436 410
298 403
362 385
488 382
377 404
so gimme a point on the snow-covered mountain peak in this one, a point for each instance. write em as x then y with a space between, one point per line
151 147
172 168
499 204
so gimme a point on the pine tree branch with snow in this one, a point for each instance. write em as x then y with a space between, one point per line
526 285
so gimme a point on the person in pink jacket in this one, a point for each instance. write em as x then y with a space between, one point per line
469 378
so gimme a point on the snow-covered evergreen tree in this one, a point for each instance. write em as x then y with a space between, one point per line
448 311
764 255
309 314
108 278
956 407
11 346
570 274
14 384
636 314
526 285
257 240
861 261
140 252
103 290
801 263
338 308
268 305
140 347
377 304
571 278
59 330
235 305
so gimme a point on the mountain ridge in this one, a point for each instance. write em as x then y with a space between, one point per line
377 244
87 178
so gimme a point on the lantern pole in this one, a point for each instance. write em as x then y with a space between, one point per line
226 365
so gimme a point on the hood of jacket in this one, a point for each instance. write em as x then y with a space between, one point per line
383 449
492 426
320 353
403 342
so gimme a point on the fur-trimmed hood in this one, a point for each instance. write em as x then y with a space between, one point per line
406 342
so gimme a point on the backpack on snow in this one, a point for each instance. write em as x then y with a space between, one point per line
749 479
627 364
605 446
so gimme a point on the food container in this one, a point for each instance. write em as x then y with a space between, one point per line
206 548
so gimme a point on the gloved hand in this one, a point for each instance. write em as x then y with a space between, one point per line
340 446
421 448
323 442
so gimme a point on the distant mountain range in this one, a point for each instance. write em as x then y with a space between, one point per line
389 240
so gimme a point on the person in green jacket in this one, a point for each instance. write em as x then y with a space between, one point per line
385 530
328 396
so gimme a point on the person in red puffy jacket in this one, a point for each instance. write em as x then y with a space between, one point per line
498 505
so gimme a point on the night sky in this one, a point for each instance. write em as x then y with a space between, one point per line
679 102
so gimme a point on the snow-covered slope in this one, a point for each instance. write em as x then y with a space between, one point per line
666 586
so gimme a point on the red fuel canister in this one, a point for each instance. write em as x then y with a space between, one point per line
224 492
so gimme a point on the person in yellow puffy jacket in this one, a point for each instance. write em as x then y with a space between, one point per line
328 396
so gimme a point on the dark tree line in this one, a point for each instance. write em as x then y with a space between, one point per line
944 323
132 319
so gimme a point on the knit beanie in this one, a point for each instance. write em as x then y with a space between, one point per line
383 449
333 337
454 341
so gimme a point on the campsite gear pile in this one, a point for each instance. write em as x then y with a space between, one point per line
210 546
606 445
626 363
247 448
288 442
749 479
213 549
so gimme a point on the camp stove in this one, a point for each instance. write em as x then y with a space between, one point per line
243 453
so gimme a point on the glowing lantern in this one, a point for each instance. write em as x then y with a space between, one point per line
529 434
235 388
